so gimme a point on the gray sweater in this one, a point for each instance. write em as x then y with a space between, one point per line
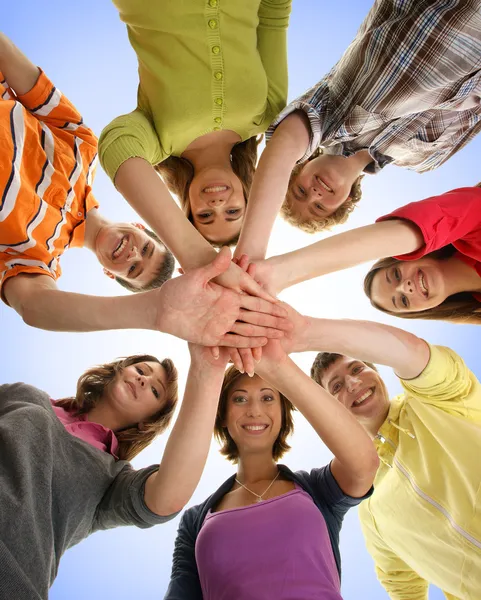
55 490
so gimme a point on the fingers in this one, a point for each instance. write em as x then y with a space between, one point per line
251 287
219 265
238 341
243 262
236 359
257 354
248 330
247 361
263 320
251 270
262 306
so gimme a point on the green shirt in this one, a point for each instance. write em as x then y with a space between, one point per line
203 65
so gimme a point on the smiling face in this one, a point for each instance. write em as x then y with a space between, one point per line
320 188
217 203
253 414
359 388
138 392
126 251
409 286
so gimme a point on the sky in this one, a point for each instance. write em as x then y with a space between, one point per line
83 48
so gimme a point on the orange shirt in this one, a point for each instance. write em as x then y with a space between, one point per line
47 163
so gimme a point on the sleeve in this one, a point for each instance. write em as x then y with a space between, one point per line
396 577
272 46
443 219
129 136
123 503
6 93
184 580
47 104
448 384
331 495
12 265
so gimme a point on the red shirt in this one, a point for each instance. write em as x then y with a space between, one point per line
451 218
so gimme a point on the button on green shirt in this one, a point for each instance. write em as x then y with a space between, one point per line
204 65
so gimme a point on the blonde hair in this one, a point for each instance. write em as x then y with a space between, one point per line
177 174
93 383
228 446
458 308
339 216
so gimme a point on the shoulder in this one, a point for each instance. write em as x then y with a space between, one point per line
23 393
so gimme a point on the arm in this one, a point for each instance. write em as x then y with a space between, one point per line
21 74
355 459
287 146
169 490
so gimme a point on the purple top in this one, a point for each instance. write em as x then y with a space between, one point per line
93 433
279 548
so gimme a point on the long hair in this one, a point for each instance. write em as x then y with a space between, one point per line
92 385
228 446
177 174
458 308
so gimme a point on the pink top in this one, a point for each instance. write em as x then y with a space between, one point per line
279 548
93 433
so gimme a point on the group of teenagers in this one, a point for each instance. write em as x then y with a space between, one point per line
213 80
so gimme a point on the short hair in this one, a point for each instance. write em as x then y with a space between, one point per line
93 383
228 446
324 360
457 308
339 216
178 173
163 274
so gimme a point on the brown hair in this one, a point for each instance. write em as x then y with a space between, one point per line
228 446
163 274
458 308
93 383
339 216
324 360
177 174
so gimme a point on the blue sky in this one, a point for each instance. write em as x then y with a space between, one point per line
83 48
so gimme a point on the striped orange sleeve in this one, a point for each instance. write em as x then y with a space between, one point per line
6 93
47 103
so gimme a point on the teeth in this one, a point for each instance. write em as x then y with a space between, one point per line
118 251
322 184
363 397
255 427
216 188
422 285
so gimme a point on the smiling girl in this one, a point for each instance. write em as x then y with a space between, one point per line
216 555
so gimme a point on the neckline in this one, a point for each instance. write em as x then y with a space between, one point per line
296 490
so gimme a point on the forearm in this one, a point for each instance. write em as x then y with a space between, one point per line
20 74
337 428
369 341
270 184
348 249
188 446
56 310
145 191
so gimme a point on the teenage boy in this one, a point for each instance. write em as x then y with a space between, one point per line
46 205
406 92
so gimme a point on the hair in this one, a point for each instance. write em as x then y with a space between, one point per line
228 446
178 173
339 216
324 360
457 308
92 385
163 273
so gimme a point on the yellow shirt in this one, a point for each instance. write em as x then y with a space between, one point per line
423 523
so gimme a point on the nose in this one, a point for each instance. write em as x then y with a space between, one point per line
133 254
352 383
141 380
405 286
316 192
253 409
219 201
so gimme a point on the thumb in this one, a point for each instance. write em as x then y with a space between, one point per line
219 265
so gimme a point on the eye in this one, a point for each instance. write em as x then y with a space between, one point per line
204 215
267 398
238 399
301 190
357 369
139 370
145 248
155 392
131 269
397 274
319 207
233 211
404 301
336 387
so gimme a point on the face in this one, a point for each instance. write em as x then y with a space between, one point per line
137 392
253 415
320 188
359 388
409 286
217 204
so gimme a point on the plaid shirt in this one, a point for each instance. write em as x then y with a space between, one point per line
408 88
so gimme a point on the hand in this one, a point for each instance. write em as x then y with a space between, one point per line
274 357
195 309
202 356
295 340
265 272
239 280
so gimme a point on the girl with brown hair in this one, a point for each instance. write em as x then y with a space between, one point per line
216 555
430 265
65 472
